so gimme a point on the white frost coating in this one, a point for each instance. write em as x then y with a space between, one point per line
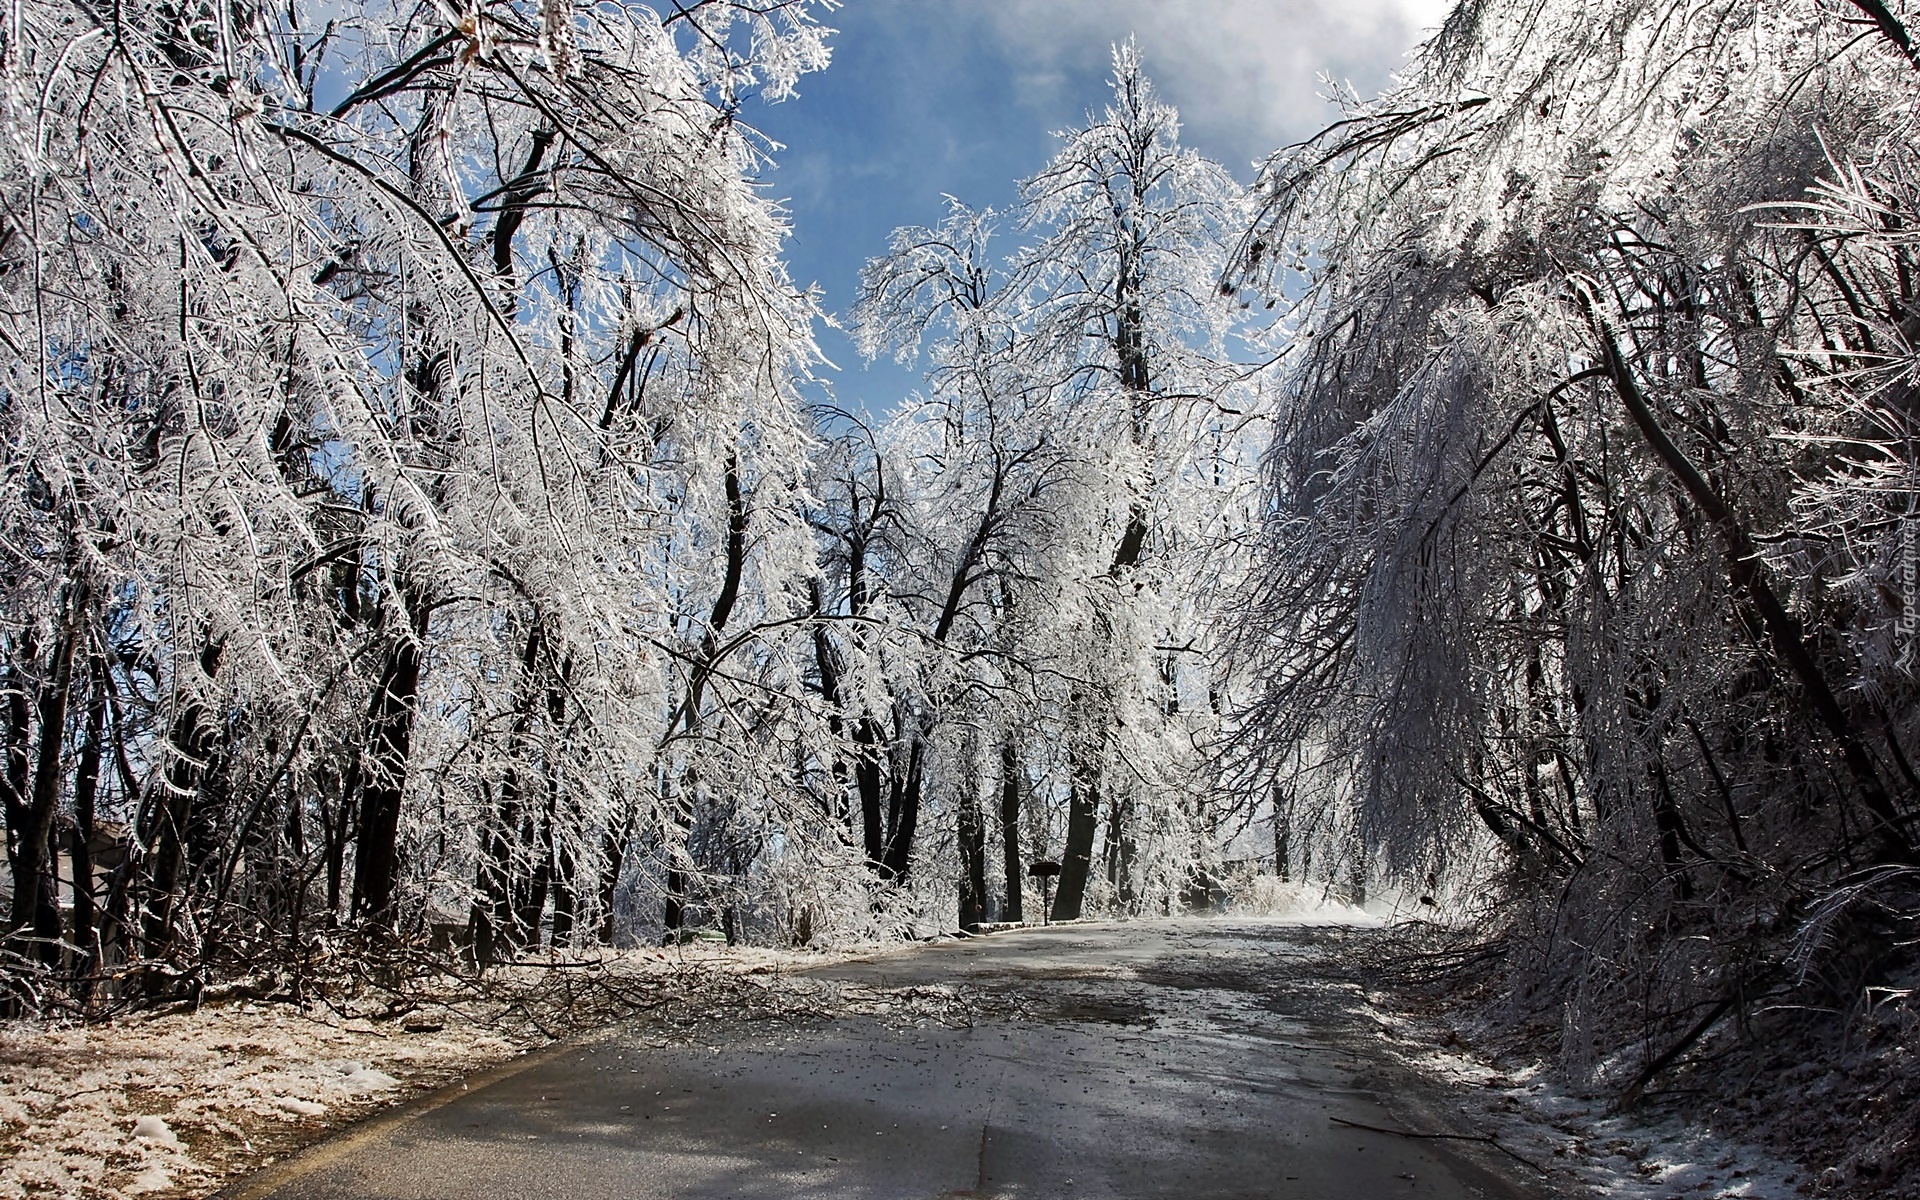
299 1107
1590 601
1284 903
1622 1157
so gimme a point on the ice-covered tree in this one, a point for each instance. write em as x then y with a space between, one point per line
1073 468
386 380
1592 488
1128 230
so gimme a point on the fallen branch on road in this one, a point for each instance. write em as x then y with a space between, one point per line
1442 1137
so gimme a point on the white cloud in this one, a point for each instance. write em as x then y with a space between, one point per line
1245 74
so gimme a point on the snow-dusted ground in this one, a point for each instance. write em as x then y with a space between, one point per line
178 1104
1628 1156
1579 1141
173 1104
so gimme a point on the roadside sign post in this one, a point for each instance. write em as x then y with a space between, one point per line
1044 870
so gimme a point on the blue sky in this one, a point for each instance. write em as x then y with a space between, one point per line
927 97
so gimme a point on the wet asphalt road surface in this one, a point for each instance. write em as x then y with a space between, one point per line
1196 1059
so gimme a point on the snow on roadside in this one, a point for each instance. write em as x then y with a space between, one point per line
1581 1145
173 1104
1281 902
176 1105
1580 1140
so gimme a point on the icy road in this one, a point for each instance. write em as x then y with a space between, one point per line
1193 1059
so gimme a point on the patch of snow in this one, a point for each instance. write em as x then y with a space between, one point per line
106 1112
366 1079
154 1129
299 1107
1286 903
153 1178
1621 1156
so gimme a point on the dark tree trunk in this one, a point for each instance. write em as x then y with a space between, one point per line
529 887
1076 863
116 925
867 737
376 865
1281 837
86 783
866 775
336 825
674 910
513 208
36 901
1672 830
490 920
674 907
559 854
1011 858
1132 542
826 659
19 766
1121 849
565 896
533 897
973 862
167 821
1136 377
613 857
905 812
1083 804
1110 844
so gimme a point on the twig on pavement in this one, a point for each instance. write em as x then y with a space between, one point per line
1442 1137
